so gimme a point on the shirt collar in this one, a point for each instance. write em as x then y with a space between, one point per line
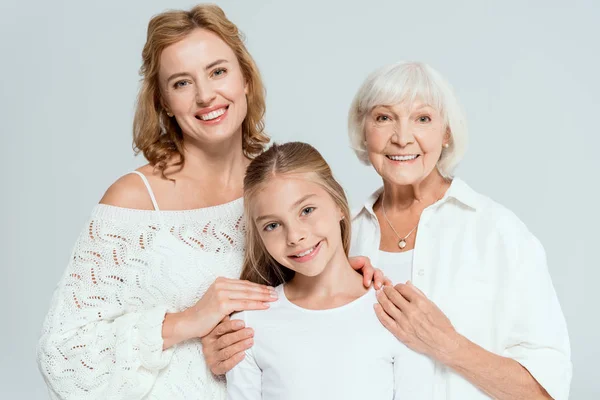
458 190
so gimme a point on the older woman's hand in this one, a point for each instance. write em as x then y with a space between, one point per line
369 273
416 321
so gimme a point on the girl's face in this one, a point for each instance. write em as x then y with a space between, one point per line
298 222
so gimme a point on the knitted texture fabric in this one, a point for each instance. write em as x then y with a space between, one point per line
102 338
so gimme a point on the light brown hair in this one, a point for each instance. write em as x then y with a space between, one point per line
156 135
286 159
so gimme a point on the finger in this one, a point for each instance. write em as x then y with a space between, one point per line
388 306
378 278
228 326
226 366
387 282
225 354
367 277
236 284
416 288
251 295
388 322
396 298
243 305
233 338
363 264
407 291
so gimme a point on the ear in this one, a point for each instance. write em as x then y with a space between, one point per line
246 88
164 106
447 137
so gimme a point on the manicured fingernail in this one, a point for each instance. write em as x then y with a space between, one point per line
271 288
239 324
273 295
250 341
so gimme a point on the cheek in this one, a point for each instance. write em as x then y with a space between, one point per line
273 244
180 101
377 140
430 140
234 87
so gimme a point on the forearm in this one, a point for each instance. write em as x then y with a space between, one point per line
500 377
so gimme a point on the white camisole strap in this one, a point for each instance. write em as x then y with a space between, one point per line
150 192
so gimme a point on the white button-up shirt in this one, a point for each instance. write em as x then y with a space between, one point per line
482 267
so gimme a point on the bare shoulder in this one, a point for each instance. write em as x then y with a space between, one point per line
129 191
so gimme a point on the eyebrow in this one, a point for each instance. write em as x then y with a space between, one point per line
296 204
209 66
390 108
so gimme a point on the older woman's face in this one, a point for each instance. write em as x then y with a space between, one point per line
404 141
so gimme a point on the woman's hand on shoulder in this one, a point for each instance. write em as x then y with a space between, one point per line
223 297
369 273
417 321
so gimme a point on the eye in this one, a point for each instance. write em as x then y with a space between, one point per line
180 84
219 72
307 210
424 119
271 226
382 118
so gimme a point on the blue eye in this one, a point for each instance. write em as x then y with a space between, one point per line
271 226
308 210
180 84
219 71
424 119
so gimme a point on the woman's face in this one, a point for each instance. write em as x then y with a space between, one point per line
203 86
299 223
404 141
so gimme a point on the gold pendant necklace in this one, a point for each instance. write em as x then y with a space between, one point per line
402 242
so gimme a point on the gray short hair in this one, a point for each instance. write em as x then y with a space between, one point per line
410 81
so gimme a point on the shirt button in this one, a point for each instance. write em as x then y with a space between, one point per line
421 272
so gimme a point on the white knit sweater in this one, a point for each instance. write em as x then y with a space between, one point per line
102 338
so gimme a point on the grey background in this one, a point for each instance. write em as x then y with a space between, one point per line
526 72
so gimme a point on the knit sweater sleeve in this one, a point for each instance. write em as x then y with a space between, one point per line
102 338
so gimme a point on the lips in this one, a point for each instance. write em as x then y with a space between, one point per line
306 254
212 113
402 157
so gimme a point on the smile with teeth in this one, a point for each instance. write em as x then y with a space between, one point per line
306 252
403 158
213 114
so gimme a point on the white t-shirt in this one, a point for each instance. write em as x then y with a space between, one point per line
396 266
341 353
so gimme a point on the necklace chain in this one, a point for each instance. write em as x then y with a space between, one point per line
402 241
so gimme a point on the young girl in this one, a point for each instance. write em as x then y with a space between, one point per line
310 343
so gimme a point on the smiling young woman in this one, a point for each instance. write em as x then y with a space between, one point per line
157 266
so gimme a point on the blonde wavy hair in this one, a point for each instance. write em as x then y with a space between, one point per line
156 135
291 158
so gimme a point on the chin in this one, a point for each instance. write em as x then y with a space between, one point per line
403 180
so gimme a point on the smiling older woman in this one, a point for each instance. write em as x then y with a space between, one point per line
478 299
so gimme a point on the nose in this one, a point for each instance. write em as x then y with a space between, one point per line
402 135
295 235
205 94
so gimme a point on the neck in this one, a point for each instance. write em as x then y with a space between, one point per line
419 195
337 278
221 165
